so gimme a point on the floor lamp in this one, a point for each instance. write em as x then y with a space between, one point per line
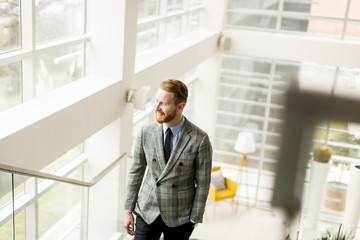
245 144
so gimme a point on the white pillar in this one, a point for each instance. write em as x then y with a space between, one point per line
205 99
317 184
112 28
352 204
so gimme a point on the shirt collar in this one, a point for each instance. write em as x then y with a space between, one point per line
174 129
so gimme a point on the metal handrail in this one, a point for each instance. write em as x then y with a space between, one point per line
48 176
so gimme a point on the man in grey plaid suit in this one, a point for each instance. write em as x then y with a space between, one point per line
172 197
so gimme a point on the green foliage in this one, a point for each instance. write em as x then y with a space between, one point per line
338 235
322 153
9 29
345 138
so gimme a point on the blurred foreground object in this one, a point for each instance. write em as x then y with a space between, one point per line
303 110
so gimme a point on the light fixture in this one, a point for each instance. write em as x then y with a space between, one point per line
224 43
138 97
245 143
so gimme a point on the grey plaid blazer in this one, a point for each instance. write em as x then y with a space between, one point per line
178 190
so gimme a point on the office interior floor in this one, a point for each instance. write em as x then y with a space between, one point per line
249 224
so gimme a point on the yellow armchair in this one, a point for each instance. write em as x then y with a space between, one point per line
229 191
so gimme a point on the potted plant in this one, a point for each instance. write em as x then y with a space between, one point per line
322 153
318 179
338 235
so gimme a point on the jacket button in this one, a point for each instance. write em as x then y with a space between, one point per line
156 179
173 185
157 184
180 164
154 160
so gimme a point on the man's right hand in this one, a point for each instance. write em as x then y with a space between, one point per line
129 223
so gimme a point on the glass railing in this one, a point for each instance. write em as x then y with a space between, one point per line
34 205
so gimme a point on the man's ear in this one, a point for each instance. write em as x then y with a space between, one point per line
180 106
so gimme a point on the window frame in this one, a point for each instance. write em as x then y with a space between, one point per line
280 14
160 22
29 51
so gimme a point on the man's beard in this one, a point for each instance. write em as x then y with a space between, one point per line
165 118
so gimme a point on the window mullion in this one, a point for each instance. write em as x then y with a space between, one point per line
185 19
28 42
265 129
346 19
279 15
162 23
85 32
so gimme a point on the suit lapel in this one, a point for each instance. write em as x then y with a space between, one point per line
159 147
182 142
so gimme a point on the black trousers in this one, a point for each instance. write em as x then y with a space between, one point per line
143 231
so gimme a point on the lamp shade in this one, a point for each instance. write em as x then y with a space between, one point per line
245 143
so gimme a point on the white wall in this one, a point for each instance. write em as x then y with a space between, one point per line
292 47
36 133
105 26
205 103
175 59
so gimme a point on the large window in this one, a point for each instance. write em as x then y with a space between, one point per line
42 52
160 22
251 99
252 93
42 47
339 18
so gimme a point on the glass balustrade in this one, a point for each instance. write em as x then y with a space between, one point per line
52 207
37 208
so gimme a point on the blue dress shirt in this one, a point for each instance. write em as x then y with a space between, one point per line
176 132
